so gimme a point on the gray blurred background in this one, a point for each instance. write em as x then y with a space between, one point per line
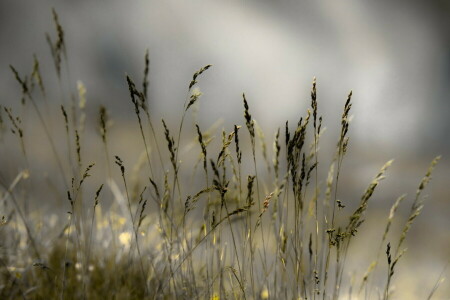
394 55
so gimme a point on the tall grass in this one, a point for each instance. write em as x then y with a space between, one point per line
235 232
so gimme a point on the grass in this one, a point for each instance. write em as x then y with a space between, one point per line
223 220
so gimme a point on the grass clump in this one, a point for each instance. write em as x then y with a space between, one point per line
235 232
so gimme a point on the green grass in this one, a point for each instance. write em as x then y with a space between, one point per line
225 219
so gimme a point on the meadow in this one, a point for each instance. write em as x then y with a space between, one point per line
201 213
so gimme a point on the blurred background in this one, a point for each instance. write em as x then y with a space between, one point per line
394 55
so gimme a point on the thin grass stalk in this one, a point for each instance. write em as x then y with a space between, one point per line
171 143
25 91
133 94
37 76
18 130
374 264
316 188
66 263
192 99
227 141
251 129
417 205
390 269
145 105
119 162
76 215
205 170
356 220
341 151
88 255
68 143
439 281
10 191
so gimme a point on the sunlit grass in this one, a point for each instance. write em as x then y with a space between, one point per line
220 216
